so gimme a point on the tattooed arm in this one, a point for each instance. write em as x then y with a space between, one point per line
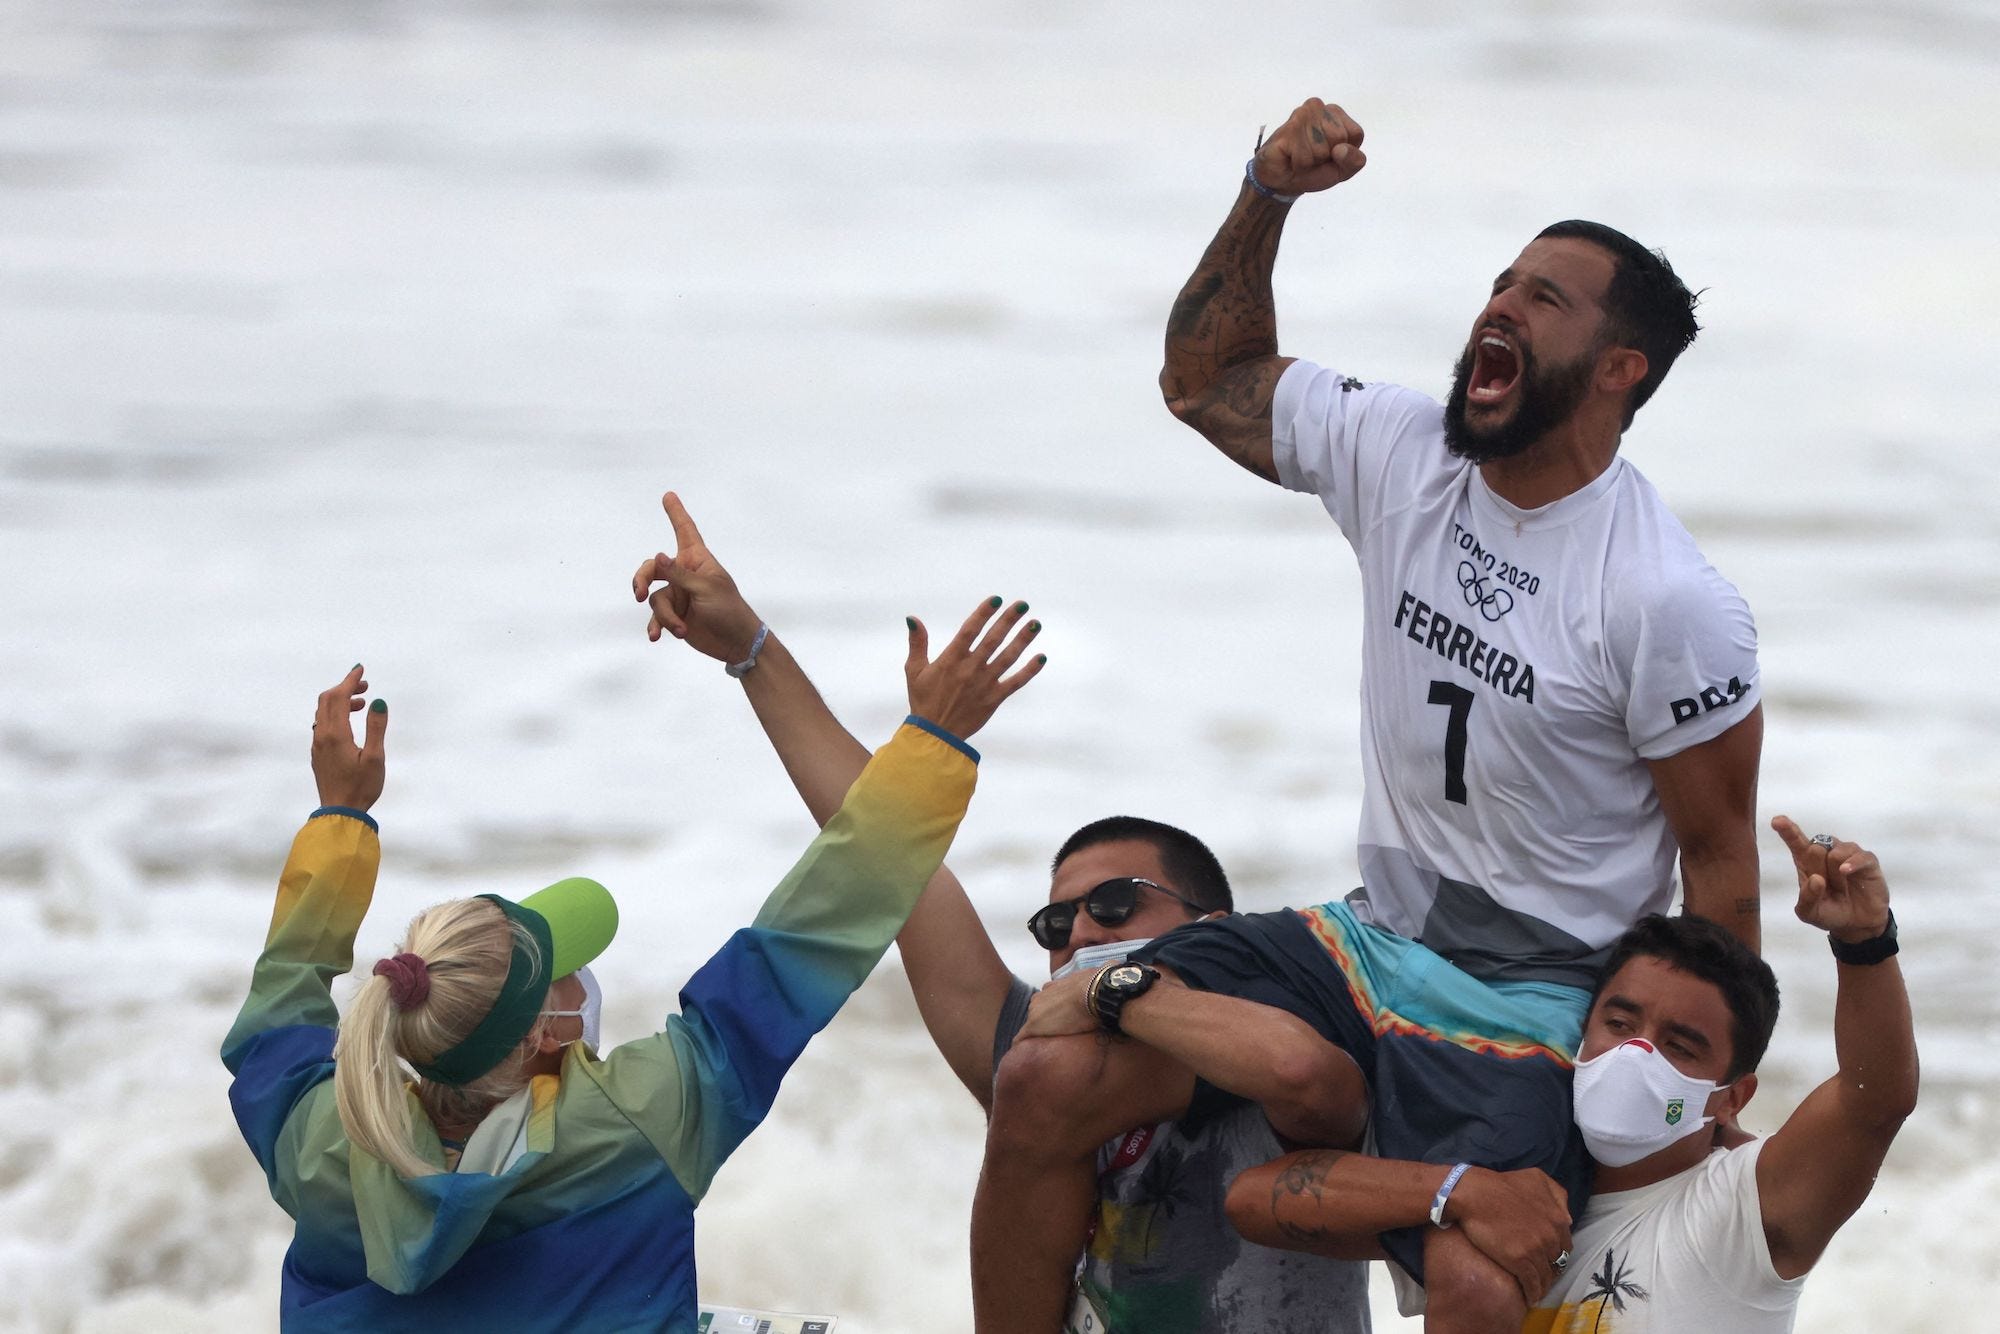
1336 1204
1222 337
1222 363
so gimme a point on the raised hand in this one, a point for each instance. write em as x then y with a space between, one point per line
968 681
1317 148
697 601
1519 1220
1841 887
347 774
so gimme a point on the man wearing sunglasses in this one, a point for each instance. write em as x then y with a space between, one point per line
1108 903
1163 1257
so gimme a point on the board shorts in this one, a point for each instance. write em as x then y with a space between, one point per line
1459 1070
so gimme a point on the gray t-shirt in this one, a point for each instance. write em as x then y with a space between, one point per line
1162 1257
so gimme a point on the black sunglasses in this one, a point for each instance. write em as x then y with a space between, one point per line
1108 904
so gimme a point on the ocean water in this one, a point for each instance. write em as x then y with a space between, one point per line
341 331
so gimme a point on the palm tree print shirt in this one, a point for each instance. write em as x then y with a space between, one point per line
1687 1253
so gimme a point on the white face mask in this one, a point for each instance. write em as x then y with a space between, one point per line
1630 1103
1096 956
1110 951
592 1011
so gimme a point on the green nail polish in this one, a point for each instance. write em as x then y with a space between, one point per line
994 602
1020 607
910 621
356 665
379 706
1034 627
1041 659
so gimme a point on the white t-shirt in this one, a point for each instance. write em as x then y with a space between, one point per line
1519 667
1684 1254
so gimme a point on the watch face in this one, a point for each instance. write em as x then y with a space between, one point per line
1125 975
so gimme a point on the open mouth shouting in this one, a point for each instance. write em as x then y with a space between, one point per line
1496 369
1502 400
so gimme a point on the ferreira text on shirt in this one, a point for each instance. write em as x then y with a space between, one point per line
1459 643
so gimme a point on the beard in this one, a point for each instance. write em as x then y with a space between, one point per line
1547 398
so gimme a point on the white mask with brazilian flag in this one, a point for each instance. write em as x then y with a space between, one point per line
1630 1103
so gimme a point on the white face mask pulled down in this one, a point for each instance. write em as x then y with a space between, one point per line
1096 956
1110 951
591 1011
1630 1103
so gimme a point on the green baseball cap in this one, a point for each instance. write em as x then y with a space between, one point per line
571 922
582 918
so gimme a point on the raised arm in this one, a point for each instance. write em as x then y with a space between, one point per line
1222 362
281 1045
1815 1171
1709 796
708 1078
955 973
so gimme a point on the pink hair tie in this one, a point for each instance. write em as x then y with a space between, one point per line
409 979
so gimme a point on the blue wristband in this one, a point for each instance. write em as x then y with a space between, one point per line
1250 175
1444 1193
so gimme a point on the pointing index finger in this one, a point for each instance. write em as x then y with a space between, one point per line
1793 836
685 533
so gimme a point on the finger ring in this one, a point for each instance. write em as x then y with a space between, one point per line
1562 1262
1822 840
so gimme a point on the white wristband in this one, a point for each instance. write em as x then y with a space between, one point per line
741 669
1444 1193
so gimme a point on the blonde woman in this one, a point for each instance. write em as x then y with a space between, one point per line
521 1180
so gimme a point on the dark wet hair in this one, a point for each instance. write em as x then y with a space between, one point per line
1186 859
1646 307
1705 949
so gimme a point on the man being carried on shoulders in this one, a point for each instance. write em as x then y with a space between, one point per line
1678 1234
1560 703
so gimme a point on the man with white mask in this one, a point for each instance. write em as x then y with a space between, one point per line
1680 1233
1163 1258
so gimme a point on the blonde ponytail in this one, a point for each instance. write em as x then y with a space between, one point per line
466 944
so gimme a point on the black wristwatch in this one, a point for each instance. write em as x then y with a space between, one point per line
1865 952
1113 986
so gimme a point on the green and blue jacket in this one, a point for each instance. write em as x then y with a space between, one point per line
592 1227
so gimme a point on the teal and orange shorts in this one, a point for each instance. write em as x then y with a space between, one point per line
1459 1070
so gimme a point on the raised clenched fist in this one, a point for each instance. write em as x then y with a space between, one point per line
1317 147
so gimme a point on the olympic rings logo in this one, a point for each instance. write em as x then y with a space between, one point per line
1493 603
